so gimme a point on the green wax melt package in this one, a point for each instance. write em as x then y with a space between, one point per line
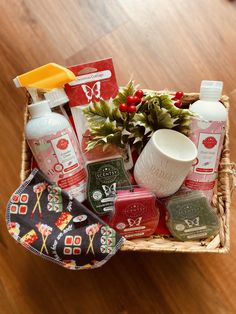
104 177
191 217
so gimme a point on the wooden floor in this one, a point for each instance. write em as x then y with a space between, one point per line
161 44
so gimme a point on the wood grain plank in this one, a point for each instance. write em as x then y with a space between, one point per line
82 22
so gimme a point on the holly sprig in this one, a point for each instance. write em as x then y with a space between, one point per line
133 116
125 92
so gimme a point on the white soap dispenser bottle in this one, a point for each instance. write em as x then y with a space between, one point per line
207 132
56 149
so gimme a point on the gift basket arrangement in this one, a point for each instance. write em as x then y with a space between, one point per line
107 167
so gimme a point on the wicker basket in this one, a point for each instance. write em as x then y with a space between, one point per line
221 200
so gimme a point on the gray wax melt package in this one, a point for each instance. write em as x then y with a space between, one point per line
191 217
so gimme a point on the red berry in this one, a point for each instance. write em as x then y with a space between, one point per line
130 100
137 100
139 93
131 109
178 103
123 107
179 95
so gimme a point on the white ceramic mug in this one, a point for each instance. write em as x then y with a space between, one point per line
165 162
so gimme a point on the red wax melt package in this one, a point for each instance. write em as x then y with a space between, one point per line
135 213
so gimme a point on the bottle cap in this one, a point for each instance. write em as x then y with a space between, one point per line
211 90
39 109
56 97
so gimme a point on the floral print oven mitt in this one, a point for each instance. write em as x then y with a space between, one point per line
45 220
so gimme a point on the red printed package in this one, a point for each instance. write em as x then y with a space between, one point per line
135 214
94 81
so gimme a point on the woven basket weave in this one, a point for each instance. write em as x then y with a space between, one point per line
221 201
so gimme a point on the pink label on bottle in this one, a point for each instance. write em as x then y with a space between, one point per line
58 157
208 137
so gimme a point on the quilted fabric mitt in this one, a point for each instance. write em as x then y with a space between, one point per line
45 220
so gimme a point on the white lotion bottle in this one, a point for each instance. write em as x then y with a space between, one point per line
207 132
56 150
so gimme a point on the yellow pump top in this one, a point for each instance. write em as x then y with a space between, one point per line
46 77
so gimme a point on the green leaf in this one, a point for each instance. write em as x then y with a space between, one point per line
96 109
108 127
157 118
141 119
124 93
107 133
161 118
97 113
